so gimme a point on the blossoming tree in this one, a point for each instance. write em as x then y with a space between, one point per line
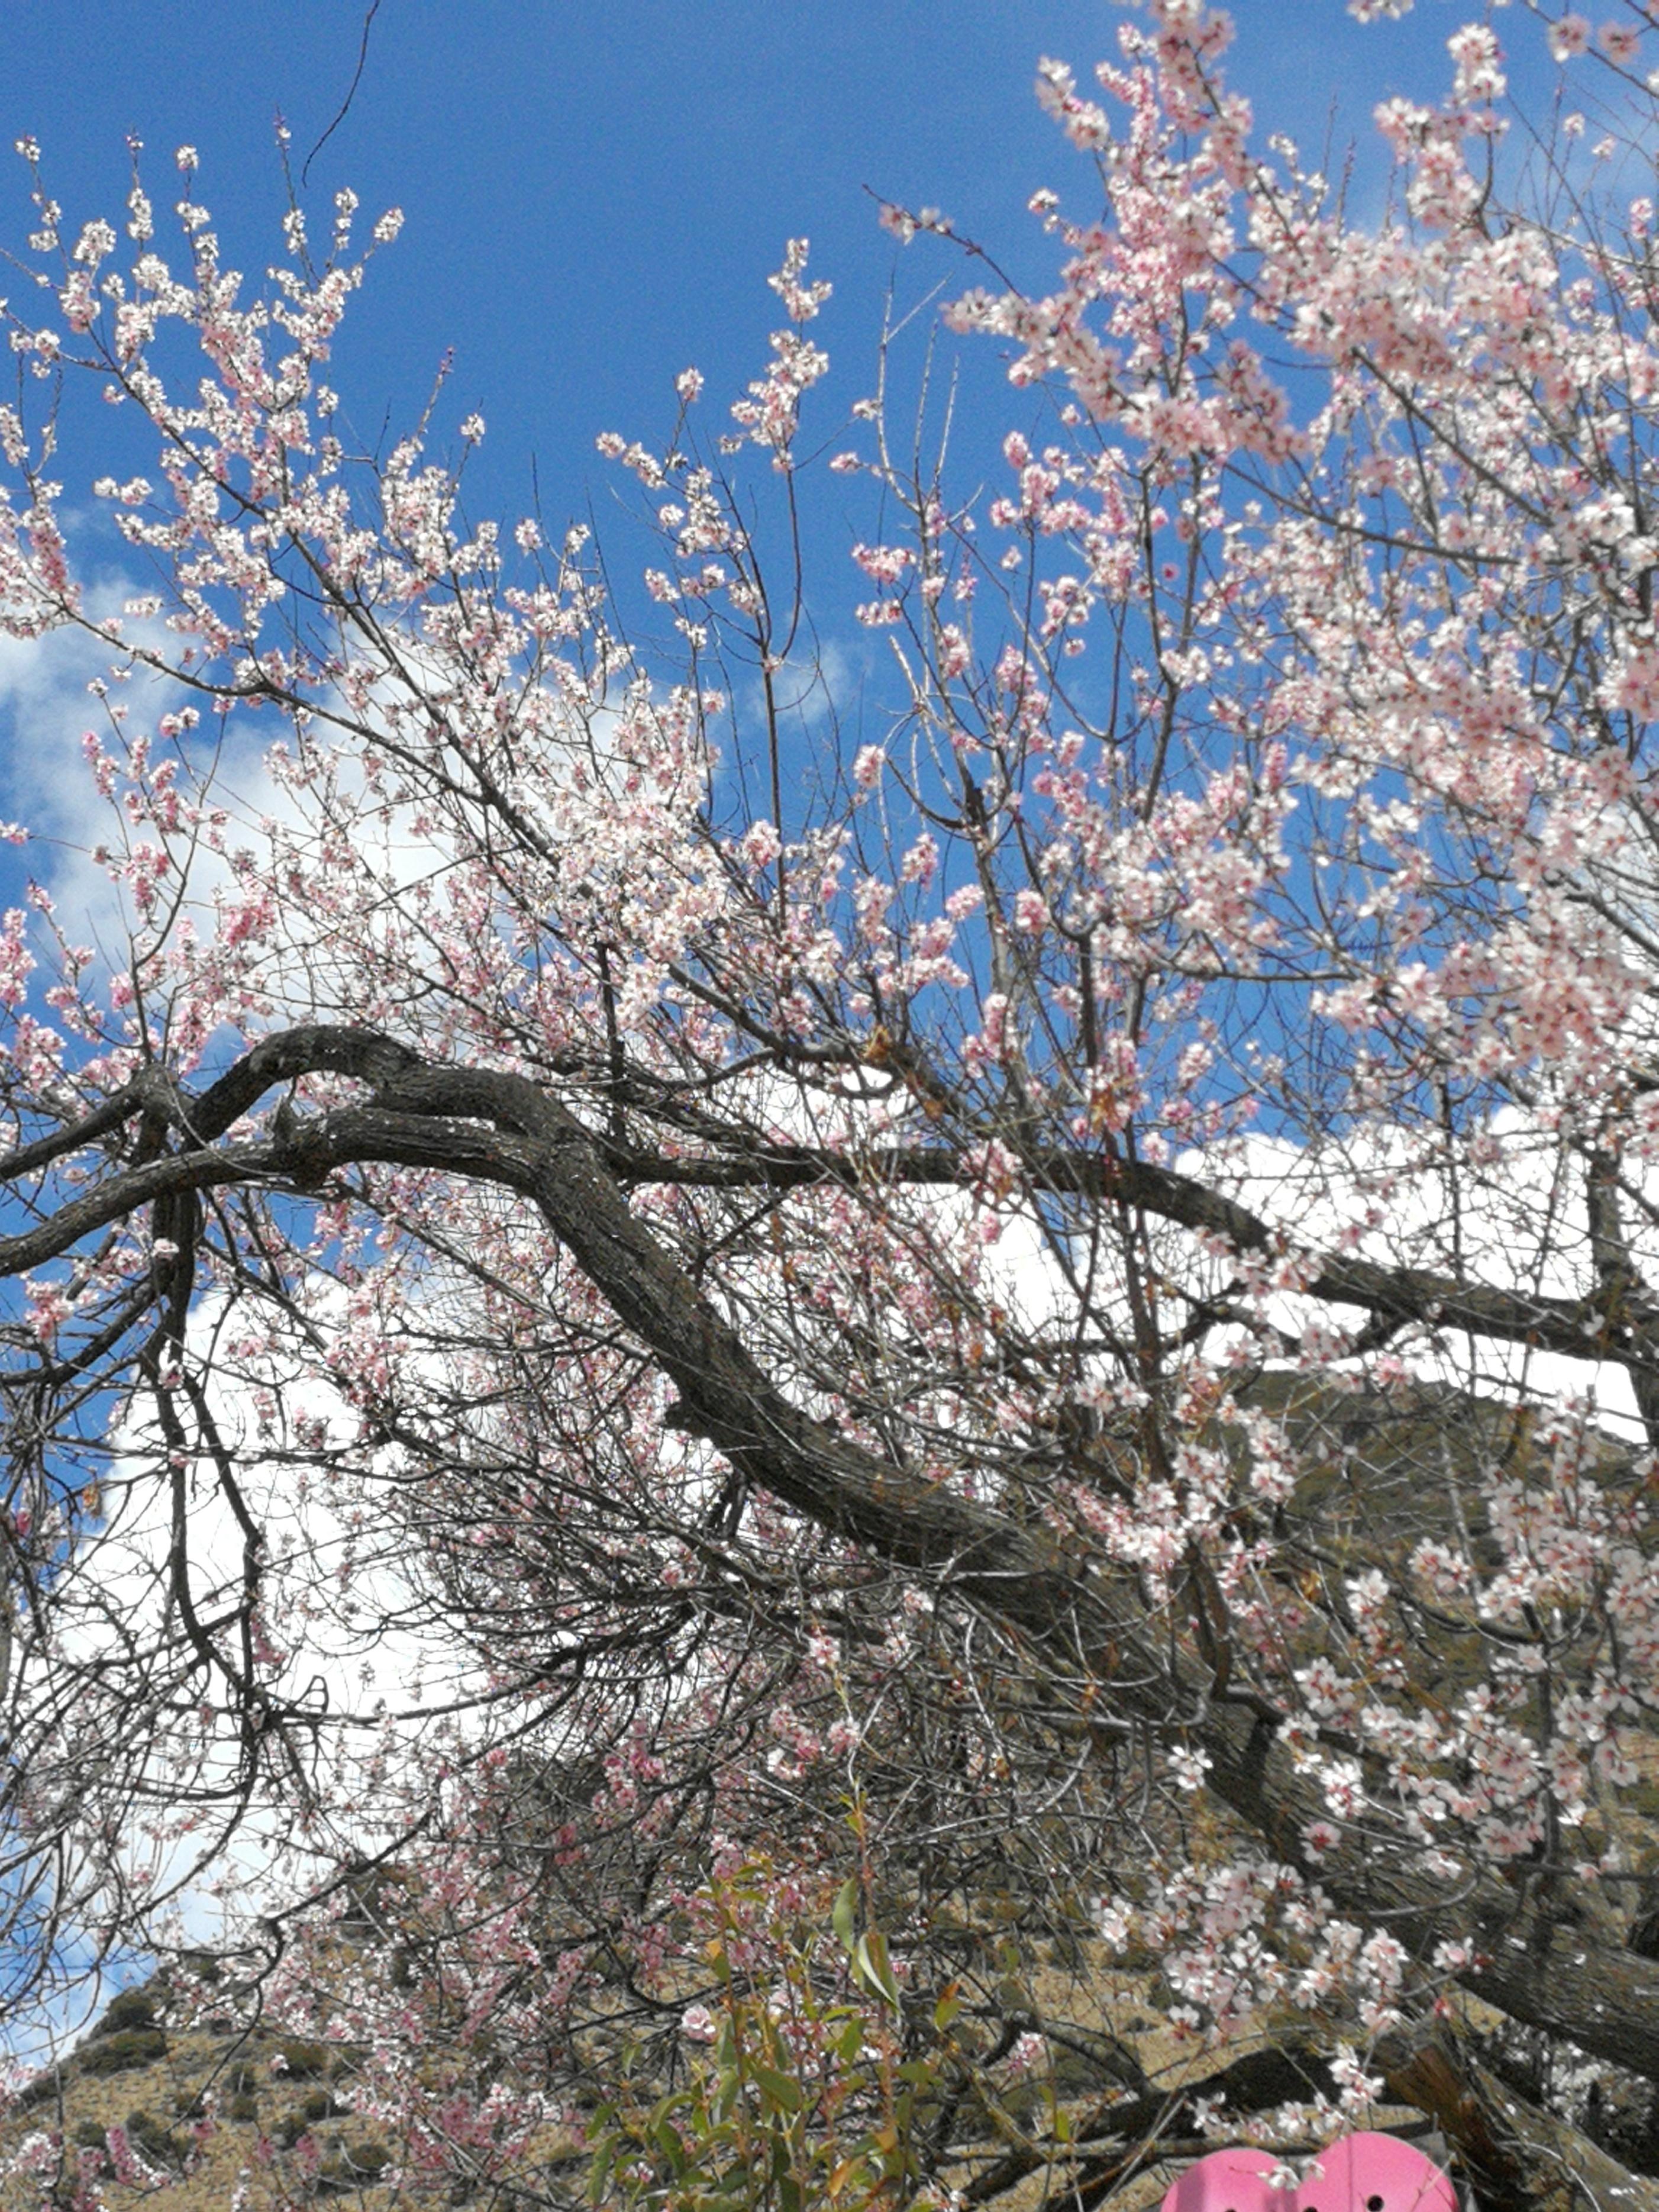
636 1333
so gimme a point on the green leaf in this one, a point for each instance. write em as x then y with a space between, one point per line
844 1919
600 2172
784 2093
874 1969
845 2173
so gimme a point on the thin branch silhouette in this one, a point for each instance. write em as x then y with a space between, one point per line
346 106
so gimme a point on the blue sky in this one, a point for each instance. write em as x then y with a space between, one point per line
595 192
596 189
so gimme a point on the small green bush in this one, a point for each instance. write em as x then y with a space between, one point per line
351 2169
159 2145
125 2048
306 2061
132 2008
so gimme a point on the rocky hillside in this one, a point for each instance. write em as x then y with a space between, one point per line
199 2116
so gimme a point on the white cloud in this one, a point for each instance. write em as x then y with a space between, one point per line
1513 1219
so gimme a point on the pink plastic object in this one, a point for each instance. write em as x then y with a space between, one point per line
1359 2173
1228 2181
1376 2173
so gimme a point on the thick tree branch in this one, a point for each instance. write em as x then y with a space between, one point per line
1609 1325
1572 1325
1521 2158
